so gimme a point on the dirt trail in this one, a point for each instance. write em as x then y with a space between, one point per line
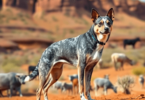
136 90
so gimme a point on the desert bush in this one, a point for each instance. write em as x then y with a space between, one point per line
54 19
61 78
20 14
138 71
85 22
126 83
10 67
71 31
67 12
13 63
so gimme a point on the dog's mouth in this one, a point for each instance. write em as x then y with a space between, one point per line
105 33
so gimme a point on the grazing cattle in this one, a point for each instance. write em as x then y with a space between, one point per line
10 81
74 76
58 85
120 57
106 76
14 93
74 80
141 80
67 87
75 86
105 84
130 42
99 64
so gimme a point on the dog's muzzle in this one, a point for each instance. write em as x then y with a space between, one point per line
106 31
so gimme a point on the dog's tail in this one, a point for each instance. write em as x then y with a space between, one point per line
31 76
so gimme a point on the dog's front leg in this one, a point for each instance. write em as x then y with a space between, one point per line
87 78
81 82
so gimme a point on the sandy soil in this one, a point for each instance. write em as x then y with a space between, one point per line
135 91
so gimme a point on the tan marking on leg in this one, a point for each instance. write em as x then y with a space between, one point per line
85 84
41 82
55 74
53 77
88 58
81 87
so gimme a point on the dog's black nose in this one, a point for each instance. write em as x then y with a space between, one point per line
106 29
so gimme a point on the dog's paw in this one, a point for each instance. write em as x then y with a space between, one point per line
84 99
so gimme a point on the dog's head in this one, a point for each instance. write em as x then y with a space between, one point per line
103 24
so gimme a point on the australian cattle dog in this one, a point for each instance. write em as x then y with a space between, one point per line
83 51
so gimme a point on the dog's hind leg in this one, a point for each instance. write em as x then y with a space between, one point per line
44 72
41 83
53 77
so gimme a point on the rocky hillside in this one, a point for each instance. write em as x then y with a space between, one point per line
132 7
20 28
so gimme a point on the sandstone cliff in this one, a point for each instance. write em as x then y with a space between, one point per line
133 7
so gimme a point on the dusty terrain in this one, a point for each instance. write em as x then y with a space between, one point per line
135 91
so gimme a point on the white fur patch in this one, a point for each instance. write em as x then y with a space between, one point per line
104 19
83 97
96 53
27 79
63 61
101 36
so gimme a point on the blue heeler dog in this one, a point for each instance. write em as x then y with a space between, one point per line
83 51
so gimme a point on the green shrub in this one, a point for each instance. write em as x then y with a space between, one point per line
138 71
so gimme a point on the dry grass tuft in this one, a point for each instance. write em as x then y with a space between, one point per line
126 83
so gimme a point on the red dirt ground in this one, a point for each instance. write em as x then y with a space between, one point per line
135 92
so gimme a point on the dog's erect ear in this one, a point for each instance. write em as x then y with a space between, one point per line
95 15
111 14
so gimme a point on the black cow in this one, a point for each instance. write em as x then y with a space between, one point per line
130 42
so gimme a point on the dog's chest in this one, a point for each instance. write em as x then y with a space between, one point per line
96 55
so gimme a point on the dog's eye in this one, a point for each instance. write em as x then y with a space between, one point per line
100 24
109 24
95 23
